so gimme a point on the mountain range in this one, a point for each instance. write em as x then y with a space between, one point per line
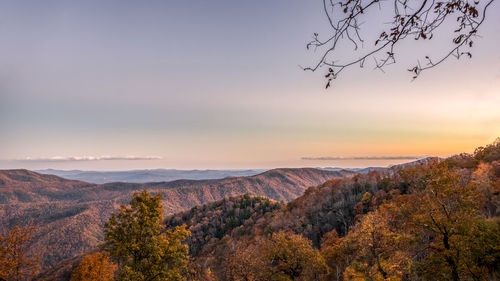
157 175
143 176
69 214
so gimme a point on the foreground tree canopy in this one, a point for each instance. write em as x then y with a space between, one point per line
404 19
436 232
144 251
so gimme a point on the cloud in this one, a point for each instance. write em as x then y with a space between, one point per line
88 158
364 158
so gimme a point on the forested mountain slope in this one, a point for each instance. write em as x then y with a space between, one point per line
69 214
434 220
437 219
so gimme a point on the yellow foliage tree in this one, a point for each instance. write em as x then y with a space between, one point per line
439 230
371 251
454 239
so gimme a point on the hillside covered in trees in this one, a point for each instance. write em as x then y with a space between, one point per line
70 214
435 220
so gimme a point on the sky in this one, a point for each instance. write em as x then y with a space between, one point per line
117 85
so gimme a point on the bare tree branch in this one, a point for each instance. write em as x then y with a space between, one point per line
420 23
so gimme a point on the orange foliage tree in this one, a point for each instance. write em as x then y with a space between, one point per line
16 261
96 266
280 256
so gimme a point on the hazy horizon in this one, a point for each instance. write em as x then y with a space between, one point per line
118 165
217 85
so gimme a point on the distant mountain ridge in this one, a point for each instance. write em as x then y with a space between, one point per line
70 214
153 175
164 175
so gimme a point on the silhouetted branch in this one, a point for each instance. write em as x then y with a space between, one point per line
419 23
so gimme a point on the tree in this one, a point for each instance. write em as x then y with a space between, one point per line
417 19
443 228
16 261
280 256
453 239
337 254
489 153
136 239
371 251
96 266
199 272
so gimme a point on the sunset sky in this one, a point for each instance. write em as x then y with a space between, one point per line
115 85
